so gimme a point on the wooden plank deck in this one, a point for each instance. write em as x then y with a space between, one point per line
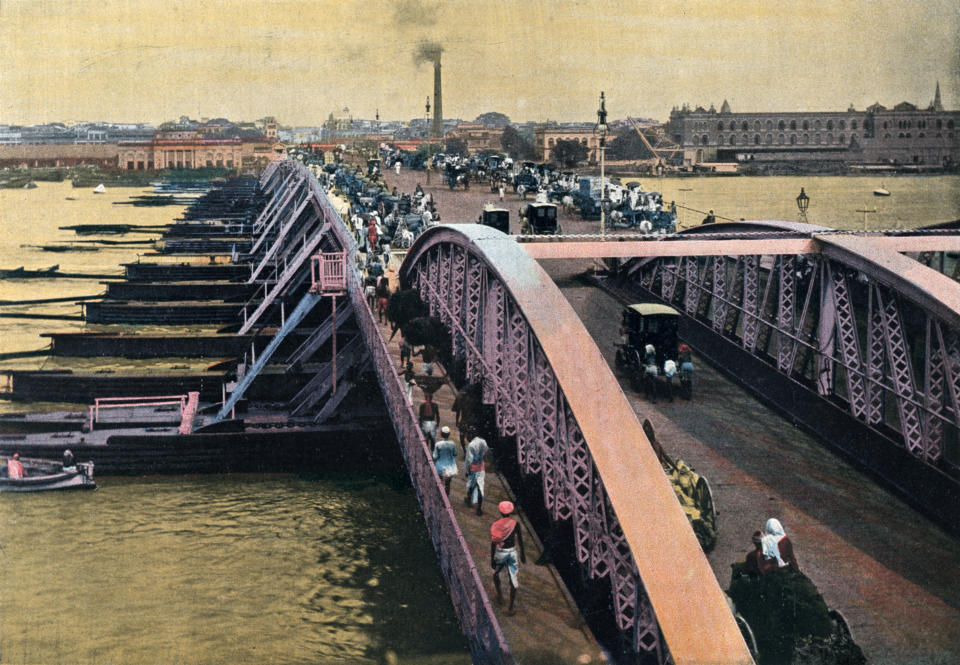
547 626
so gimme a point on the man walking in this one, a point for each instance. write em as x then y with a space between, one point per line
429 419
475 470
445 458
465 412
505 539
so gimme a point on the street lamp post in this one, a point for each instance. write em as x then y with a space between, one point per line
426 124
803 202
601 132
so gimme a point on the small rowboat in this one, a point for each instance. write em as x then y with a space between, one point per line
881 191
44 475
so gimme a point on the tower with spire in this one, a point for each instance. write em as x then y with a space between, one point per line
937 105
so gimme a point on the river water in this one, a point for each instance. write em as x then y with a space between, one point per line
834 200
223 569
207 569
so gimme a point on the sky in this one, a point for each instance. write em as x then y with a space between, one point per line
538 60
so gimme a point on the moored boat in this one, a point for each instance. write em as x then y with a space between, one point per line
881 191
46 475
100 189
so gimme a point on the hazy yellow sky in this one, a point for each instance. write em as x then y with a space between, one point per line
154 60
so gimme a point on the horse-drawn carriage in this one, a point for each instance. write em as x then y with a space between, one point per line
456 174
498 218
785 620
539 219
692 490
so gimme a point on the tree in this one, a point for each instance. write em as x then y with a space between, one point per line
515 144
627 145
569 153
493 119
456 146
405 306
427 150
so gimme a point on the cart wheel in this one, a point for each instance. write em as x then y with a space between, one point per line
747 634
703 498
841 627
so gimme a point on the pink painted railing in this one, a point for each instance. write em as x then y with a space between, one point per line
189 412
328 272
131 402
470 600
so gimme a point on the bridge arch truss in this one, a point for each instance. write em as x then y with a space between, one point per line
869 331
555 396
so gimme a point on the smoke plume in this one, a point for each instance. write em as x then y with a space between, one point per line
427 51
415 13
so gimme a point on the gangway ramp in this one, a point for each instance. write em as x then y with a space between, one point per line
306 305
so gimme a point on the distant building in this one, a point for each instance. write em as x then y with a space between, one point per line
58 154
270 128
181 149
546 137
478 137
256 153
10 135
903 135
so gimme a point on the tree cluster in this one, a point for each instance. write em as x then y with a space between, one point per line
627 145
493 119
569 153
515 144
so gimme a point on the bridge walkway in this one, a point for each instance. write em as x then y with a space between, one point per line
547 626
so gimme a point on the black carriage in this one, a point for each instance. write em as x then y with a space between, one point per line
539 219
784 619
497 218
643 324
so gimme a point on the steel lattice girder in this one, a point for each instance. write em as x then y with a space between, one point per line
564 395
924 406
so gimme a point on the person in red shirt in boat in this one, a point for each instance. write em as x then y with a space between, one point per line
14 467
505 539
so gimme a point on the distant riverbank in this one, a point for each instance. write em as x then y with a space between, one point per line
91 176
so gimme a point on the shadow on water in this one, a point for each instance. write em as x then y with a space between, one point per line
410 611
329 566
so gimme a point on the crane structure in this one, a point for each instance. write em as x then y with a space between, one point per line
665 148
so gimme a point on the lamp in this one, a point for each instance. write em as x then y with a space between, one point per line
803 202
601 133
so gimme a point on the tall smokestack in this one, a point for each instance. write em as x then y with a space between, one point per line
437 130
430 52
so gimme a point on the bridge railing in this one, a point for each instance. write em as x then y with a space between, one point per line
470 602
866 340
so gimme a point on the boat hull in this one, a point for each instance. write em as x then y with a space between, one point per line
79 477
